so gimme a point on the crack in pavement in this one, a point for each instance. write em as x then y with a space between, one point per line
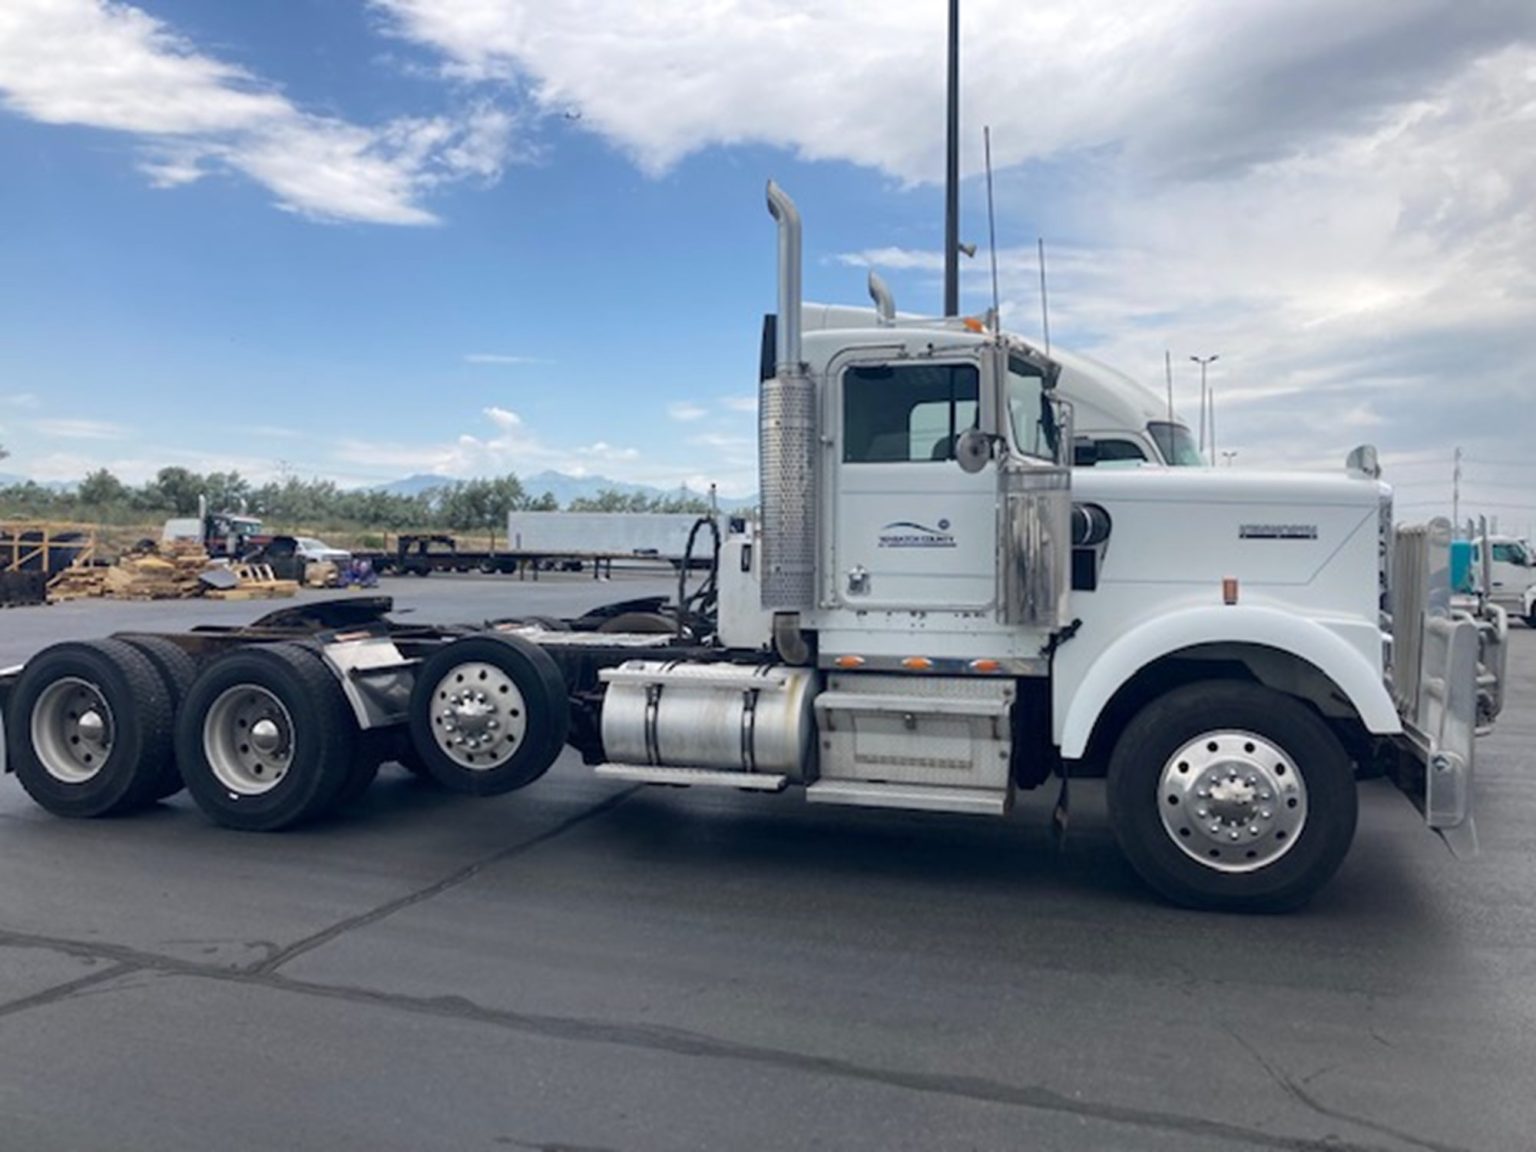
468 872
66 990
1297 1092
698 1045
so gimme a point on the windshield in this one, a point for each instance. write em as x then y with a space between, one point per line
1030 413
1176 444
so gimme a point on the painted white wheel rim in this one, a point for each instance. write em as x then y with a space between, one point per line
1233 801
72 730
248 739
479 718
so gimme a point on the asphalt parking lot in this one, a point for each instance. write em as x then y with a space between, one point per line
585 966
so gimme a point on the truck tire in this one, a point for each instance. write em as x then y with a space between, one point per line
1231 796
265 738
489 713
89 728
373 748
177 671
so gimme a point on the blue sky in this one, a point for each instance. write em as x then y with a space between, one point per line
365 239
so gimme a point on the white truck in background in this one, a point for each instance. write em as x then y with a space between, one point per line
935 612
1511 573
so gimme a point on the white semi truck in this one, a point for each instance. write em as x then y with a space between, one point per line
936 612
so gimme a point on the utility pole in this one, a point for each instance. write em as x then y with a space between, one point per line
1456 493
1168 373
1203 361
952 172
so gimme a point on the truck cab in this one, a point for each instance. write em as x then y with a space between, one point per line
1511 570
1121 420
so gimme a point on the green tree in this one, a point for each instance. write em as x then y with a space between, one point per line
175 489
226 491
100 489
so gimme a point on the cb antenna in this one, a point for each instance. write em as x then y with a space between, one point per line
1045 311
997 316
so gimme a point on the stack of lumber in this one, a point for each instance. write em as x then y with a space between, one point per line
167 575
256 582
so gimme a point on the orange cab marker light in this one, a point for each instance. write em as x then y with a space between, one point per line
849 661
917 663
973 324
986 665
1229 589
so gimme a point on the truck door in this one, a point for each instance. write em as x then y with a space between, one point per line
911 529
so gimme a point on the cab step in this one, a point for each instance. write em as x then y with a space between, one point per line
918 797
693 777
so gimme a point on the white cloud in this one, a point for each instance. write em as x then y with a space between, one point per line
20 400
500 358
511 446
111 66
746 404
686 410
74 429
1190 85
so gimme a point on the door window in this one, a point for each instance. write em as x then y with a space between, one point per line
907 412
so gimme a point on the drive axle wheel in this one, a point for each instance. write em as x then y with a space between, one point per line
177 671
488 714
89 728
1232 796
265 738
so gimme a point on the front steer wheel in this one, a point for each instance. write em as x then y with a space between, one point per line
88 728
488 714
1231 796
265 739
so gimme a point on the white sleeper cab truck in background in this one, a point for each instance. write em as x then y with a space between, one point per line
935 611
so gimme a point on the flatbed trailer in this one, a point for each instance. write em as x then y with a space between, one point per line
424 555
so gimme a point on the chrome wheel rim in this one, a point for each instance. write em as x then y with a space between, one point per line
1233 801
479 718
248 739
72 730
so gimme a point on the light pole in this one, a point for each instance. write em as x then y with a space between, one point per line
1203 361
952 170
1227 455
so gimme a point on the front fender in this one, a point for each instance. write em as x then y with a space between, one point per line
1081 699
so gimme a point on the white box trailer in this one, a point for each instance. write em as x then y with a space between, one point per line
663 534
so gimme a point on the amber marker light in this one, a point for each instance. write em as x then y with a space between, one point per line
973 324
917 663
986 665
849 661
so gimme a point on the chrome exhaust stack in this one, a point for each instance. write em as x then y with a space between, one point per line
885 303
787 438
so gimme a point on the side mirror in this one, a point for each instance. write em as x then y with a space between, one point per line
1085 452
973 448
